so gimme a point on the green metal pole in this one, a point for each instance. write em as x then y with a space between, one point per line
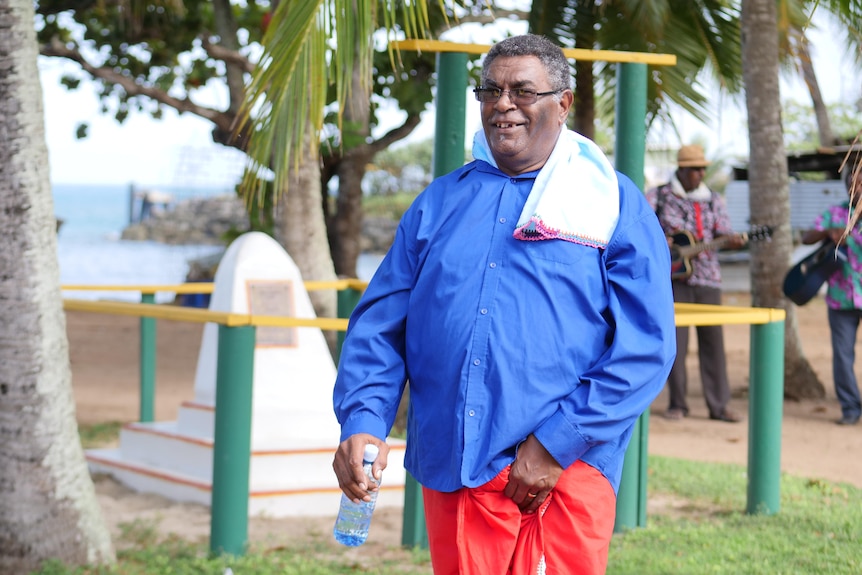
451 116
232 448
765 408
413 531
630 145
148 363
347 300
630 149
448 155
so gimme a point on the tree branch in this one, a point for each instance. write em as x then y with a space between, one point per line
228 56
107 74
395 134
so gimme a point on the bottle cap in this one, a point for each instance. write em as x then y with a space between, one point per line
370 453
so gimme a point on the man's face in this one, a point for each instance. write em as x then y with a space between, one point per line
521 137
690 178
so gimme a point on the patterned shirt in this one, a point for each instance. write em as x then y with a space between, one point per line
844 290
676 214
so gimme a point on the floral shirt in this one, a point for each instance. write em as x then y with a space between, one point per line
676 214
844 290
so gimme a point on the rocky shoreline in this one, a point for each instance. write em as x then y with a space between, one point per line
207 221
200 221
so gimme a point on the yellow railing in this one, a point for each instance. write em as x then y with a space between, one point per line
766 368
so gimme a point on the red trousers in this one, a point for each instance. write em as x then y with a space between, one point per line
480 531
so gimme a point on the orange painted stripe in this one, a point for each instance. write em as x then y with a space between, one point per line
208 487
310 451
195 405
141 428
150 473
309 491
137 427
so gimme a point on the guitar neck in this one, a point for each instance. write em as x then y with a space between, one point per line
694 249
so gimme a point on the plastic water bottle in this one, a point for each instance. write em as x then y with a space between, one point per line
351 525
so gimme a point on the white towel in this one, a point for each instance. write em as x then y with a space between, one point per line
575 197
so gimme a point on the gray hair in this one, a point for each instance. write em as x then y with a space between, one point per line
549 54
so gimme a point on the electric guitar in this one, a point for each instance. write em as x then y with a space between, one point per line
803 281
684 247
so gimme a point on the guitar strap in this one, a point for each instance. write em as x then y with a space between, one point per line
698 220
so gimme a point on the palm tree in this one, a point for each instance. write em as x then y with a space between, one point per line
768 176
48 506
794 18
702 34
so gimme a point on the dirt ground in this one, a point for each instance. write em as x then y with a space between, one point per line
104 356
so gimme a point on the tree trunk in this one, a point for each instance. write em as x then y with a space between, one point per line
769 190
585 98
301 229
824 127
585 101
347 229
48 506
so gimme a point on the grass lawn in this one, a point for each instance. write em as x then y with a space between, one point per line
697 525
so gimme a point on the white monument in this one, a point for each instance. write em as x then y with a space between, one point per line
294 431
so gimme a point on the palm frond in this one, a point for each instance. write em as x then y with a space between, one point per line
310 46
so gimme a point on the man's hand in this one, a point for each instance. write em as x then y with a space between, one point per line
348 466
736 241
533 475
836 235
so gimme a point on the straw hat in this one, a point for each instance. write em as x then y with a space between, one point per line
691 156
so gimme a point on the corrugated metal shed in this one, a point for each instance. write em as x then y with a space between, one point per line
807 201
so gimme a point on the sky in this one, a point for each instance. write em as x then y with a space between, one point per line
178 150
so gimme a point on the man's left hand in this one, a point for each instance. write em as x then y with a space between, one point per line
533 475
736 241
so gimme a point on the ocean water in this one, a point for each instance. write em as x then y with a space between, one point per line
90 251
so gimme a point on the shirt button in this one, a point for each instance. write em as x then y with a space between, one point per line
513 180
502 220
476 362
471 413
492 265
483 311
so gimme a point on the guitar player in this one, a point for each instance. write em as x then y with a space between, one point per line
686 204
844 291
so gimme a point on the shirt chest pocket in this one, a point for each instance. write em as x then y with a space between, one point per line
559 251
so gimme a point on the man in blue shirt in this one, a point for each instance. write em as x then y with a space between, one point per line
527 299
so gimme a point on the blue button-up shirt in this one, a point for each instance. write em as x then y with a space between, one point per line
501 338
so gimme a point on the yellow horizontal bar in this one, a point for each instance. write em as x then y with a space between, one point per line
688 314
208 287
194 287
575 53
179 313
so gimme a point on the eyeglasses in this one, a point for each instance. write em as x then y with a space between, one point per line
519 96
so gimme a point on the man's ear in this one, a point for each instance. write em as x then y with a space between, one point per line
566 100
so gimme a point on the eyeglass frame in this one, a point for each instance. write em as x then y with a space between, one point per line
515 99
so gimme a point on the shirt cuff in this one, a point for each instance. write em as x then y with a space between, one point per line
364 422
562 440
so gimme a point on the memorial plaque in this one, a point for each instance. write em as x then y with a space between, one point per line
273 297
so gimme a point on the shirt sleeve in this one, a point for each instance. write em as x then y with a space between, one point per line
372 370
623 382
828 219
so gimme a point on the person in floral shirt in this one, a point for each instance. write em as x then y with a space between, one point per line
844 292
687 204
